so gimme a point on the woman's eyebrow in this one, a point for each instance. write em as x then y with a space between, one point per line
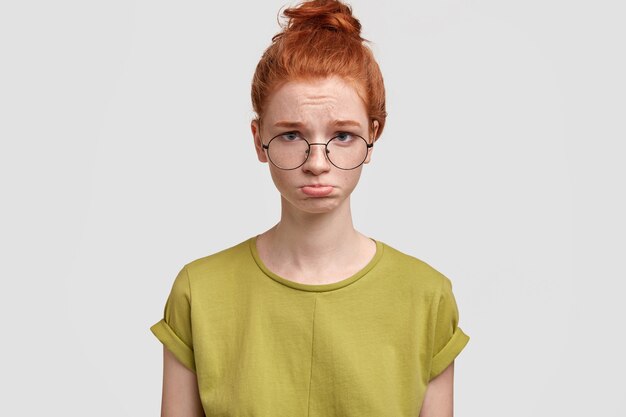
334 123
346 123
288 124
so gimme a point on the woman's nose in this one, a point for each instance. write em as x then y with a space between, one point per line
317 160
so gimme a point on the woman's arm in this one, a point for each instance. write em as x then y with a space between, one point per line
439 395
180 389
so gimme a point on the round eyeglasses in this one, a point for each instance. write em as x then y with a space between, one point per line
290 150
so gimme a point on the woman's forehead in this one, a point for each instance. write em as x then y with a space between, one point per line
333 86
332 98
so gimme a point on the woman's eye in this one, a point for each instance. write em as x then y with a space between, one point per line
290 136
344 136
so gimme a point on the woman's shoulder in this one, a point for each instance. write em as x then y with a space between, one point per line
219 261
402 263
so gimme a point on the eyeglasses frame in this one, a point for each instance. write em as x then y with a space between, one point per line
267 146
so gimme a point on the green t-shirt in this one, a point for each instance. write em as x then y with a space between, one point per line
264 346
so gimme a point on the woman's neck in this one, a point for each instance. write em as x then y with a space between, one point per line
314 241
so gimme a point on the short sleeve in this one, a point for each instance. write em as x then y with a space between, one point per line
449 339
174 329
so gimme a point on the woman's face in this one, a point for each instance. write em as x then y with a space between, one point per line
315 109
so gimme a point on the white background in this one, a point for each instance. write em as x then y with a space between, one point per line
126 152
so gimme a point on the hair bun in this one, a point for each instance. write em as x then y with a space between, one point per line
314 15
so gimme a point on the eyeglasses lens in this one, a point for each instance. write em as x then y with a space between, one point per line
289 152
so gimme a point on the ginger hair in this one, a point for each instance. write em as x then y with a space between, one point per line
321 38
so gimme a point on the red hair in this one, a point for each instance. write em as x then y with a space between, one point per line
321 39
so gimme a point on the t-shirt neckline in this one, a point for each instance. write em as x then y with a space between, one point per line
316 287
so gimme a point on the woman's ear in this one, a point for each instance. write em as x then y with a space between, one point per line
375 126
374 133
255 126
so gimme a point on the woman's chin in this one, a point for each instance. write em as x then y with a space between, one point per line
314 205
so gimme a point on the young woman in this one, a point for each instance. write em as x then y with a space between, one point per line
311 317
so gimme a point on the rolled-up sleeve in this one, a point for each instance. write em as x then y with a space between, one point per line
174 329
449 339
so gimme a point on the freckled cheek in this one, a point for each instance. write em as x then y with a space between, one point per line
349 179
282 181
